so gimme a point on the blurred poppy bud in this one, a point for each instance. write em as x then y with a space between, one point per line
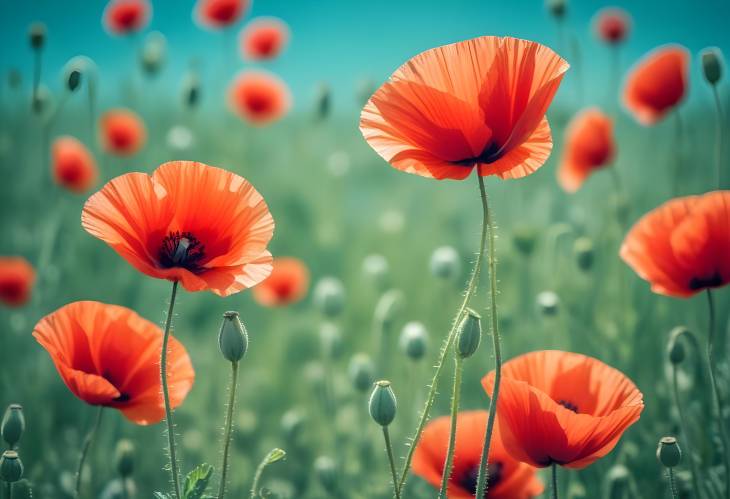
548 303
376 268
361 371
668 452
524 239
11 467
323 101
584 254
73 80
712 65
124 457
15 78
326 471
42 100
191 91
22 489
557 8
382 403
13 425
469 334
365 88
387 308
675 348
37 35
330 338
233 338
329 296
618 478
153 53
445 263
291 424
414 340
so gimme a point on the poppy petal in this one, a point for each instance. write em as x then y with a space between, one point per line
523 159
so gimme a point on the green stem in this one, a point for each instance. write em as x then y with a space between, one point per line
449 340
448 464
174 473
36 77
554 473
718 137
678 150
672 484
483 477
683 427
391 460
229 428
85 450
9 490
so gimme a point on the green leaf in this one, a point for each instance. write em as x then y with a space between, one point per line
161 495
197 481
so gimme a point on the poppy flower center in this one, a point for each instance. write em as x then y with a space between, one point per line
568 405
468 480
713 281
491 153
181 249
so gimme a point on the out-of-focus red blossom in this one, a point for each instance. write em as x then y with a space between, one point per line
287 283
73 165
589 145
123 17
218 14
16 280
259 97
122 132
264 38
612 25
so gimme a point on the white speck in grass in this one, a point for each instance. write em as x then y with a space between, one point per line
180 138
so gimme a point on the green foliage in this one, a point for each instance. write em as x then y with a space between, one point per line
197 482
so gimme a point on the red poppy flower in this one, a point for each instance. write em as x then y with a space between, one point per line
682 247
188 222
122 17
563 408
122 132
16 280
479 103
218 14
108 355
259 97
588 146
287 283
508 478
612 25
657 83
264 38
73 165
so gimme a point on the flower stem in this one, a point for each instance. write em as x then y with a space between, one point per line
448 341
9 490
718 137
391 460
174 473
482 478
229 428
554 473
448 464
678 150
672 483
85 450
683 427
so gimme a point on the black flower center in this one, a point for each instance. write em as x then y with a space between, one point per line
491 153
568 405
468 481
713 281
181 249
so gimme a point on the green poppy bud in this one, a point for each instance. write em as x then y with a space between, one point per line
13 425
414 340
382 403
323 101
548 303
469 334
329 296
330 338
124 457
387 308
618 478
191 91
291 424
153 53
73 80
361 371
11 467
524 239
675 348
325 469
557 8
584 253
37 35
233 338
376 268
445 263
712 65
668 452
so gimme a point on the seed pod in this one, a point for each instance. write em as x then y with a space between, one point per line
233 338
13 425
124 456
382 403
524 239
361 371
11 467
584 254
469 334
37 35
618 479
445 263
668 452
712 65
557 8
326 471
329 296
414 340
548 303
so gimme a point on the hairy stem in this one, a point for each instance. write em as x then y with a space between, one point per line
448 464
718 137
672 483
391 460
228 428
174 473
554 473
683 427
88 440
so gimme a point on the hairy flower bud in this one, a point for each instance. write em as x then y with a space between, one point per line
382 403
233 338
469 334
11 467
13 425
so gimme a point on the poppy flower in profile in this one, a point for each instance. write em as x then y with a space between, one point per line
259 97
657 83
107 355
73 164
16 280
479 104
589 145
217 14
682 247
122 17
612 25
264 38
287 283
189 222
508 478
122 132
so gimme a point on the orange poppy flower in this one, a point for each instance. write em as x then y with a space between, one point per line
217 14
589 146
16 280
259 97
264 38
122 132
612 25
122 17
508 478
479 103
682 247
287 283
657 83
188 222
108 355
563 408
73 164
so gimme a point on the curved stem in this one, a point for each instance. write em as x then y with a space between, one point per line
683 427
678 150
85 450
554 473
718 137
174 473
672 483
449 340
448 464
229 428
391 460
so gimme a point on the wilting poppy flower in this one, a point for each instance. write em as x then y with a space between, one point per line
508 478
16 280
588 146
479 103
218 14
264 38
73 165
188 222
122 17
682 247
108 355
612 25
287 283
122 132
657 83
562 408
259 97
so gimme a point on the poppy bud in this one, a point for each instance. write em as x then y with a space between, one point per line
191 91
326 471
675 348
331 340
323 101
382 403
329 296
73 80
414 340
388 307
712 65
361 371
557 8
445 263
619 480
524 239
153 53
668 452
22 489
584 254
42 100
13 425
291 424
376 268
124 456
233 338
11 467
37 35
469 334
548 303
364 90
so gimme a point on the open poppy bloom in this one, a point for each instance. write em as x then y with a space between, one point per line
16 280
203 226
123 17
108 355
264 38
612 25
73 164
287 283
588 146
122 132
478 103
217 14
562 408
657 84
508 478
259 97
682 247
